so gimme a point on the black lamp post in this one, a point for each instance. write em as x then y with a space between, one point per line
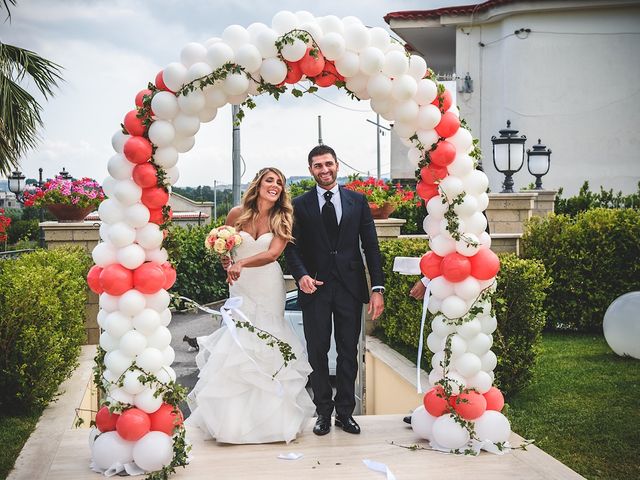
538 162
508 154
16 186
65 175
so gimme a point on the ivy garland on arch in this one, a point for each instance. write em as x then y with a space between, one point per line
132 272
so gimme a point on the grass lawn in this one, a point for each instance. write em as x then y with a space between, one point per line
582 407
14 432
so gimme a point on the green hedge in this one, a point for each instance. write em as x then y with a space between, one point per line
519 310
592 258
200 276
42 310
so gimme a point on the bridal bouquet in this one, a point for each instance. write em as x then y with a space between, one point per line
222 240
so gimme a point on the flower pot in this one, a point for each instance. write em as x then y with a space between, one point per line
381 212
69 213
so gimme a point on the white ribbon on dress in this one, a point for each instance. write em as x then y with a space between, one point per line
425 304
232 305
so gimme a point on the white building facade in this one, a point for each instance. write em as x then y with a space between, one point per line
567 72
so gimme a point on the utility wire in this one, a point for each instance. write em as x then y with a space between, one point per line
333 103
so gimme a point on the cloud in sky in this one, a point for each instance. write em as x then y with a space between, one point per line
111 49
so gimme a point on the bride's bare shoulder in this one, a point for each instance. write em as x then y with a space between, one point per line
233 215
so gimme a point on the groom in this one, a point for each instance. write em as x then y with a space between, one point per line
330 224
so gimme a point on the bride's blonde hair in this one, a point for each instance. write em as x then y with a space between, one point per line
280 216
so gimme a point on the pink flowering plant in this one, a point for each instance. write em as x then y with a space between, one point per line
83 193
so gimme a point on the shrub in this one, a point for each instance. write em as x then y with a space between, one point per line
42 310
592 259
23 230
199 273
517 301
587 200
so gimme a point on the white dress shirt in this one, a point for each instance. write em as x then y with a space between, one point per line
335 200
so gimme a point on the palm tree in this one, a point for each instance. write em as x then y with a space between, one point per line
20 111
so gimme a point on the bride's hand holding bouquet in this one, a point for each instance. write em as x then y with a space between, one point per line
221 241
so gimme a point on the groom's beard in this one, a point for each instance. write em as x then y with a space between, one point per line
326 183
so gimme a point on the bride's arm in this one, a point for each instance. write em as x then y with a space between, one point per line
270 255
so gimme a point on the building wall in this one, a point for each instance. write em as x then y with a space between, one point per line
576 89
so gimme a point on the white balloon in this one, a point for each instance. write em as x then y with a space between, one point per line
456 381
153 451
468 245
440 327
132 343
467 289
174 76
131 256
426 92
107 302
356 37
147 402
441 288
164 105
451 186
131 384
482 201
428 117
190 104
158 255
485 240
444 228
235 36
218 54
422 422
462 140
293 52
119 167
442 245
481 381
468 364
173 174
185 125
417 67
427 137
235 84
108 186
406 111
437 361
166 157
127 192
120 395
332 45
468 206
104 254
265 41
434 342
110 449
476 182
489 361
121 235
160 338
621 325
379 38
273 70
435 376
256 29
117 362
150 236
395 64
447 433
237 99
107 342
118 140
131 303
165 317
479 344
184 144
249 58
192 53
102 315
150 359
348 64
379 86
117 324
331 24
435 207
197 71
166 374
454 307
404 88
169 355
404 129
461 165
489 324
434 305
284 21
371 60
476 223
493 426
136 215
146 322
158 301
215 97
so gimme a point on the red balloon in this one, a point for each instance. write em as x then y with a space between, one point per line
426 190
435 403
470 405
310 65
169 275
160 82
164 420
494 398
148 278
432 173
155 216
106 421
93 279
485 264
138 150
444 154
144 174
154 197
133 424
447 101
294 74
431 265
448 125
325 79
456 267
116 279
330 66
133 124
140 96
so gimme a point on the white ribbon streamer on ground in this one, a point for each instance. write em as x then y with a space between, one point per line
379 467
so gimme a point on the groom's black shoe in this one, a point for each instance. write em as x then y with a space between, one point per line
348 424
323 425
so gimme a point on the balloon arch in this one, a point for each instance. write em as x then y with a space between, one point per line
139 427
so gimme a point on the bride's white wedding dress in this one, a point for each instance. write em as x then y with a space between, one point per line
235 400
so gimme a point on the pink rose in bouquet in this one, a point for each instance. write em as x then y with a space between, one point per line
222 240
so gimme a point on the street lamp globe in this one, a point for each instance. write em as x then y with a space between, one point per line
538 162
508 154
16 182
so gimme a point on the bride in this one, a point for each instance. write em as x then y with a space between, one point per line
236 399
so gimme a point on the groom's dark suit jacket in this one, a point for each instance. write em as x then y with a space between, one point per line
311 252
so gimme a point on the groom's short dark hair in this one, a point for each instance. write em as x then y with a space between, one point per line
321 150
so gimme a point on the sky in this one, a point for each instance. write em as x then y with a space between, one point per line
111 49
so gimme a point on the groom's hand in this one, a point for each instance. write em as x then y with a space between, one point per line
376 305
308 284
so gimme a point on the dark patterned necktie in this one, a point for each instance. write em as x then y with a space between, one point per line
329 218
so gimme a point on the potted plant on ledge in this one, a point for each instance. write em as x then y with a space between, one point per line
383 197
68 200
